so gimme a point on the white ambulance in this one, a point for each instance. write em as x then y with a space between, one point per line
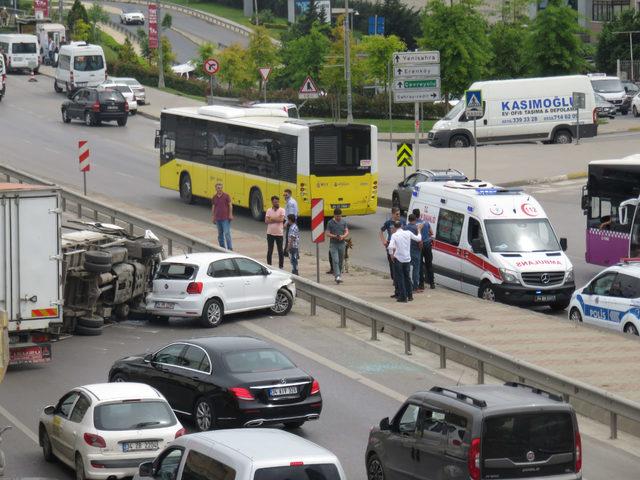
495 243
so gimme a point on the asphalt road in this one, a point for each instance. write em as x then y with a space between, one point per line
350 407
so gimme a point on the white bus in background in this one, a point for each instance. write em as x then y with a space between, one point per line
22 51
528 109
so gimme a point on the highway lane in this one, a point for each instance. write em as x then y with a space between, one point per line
350 407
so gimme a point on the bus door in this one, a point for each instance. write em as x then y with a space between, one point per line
216 157
626 208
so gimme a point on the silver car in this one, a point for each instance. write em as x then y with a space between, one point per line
136 86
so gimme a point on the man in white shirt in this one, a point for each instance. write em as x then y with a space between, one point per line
400 249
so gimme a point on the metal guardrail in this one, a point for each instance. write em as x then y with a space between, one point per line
348 306
125 31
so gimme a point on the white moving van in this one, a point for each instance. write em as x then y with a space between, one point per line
521 110
79 65
495 243
22 51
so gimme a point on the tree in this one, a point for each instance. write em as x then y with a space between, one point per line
205 51
81 31
378 51
262 50
459 32
168 56
303 56
96 15
77 12
235 67
313 15
508 47
126 53
143 41
554 46
613 46
514 11
167 21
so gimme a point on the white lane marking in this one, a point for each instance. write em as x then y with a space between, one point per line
325 361
124 174
19 425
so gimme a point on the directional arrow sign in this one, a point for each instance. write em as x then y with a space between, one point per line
408 71
409 58
411 96
404 155
417 84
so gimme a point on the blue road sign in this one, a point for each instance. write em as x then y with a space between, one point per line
473 103
376 25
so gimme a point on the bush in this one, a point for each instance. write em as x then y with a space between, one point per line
264 16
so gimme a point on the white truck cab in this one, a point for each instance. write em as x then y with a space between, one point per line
495 243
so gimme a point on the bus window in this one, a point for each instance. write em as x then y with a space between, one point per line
634 247
340 150
184 138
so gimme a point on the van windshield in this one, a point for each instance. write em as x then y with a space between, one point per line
23 47
610 85
320 471
521 235
455 111
88 63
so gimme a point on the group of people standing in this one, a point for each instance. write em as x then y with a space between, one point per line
408 246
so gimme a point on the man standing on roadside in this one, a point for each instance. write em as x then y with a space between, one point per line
400 248
221 215
337 231
416 253
385 235
427 253
290 208
274 218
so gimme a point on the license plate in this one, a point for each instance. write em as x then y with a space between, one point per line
165 305
340 205
112 107
137 446
544 298
282 391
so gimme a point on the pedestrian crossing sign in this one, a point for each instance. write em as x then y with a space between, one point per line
404 155
473 102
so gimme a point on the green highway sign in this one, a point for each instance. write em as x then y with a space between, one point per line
417 83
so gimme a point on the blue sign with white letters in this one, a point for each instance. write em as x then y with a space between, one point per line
376 25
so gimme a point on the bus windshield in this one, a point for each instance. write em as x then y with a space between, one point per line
521 235
340 150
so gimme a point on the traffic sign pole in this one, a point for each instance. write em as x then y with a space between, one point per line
475 151
416 147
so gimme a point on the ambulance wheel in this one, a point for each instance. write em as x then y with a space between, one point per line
487 292
459 141
562 137
122 311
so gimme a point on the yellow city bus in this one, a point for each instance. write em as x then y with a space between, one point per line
258 152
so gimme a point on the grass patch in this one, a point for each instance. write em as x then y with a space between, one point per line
399 125
233 14
182 94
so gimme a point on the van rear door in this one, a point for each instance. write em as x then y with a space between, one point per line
526 445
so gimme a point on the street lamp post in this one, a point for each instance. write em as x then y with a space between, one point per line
630 33
347 59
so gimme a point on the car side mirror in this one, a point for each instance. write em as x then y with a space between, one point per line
477 245
384 424
49 409
584 202
148 358
266 271
145 469
563 244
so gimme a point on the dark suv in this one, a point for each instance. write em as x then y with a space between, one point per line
401 196
478 432
96 106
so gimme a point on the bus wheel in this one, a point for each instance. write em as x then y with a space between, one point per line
256 205
186 192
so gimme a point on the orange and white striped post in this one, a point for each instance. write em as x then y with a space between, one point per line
85 164
317 229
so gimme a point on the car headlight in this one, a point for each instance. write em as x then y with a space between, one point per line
568 277
509 276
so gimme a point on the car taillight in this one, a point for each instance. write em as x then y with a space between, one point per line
96 106
242 393
578 452
180 432
94 440
193 288
296 464
126 109
595 115
473 461
315 387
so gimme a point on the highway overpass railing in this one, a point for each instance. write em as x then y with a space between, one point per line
413 332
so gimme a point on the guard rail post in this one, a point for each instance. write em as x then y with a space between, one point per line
613 425
312 304
407 343
169 247
443 357
374 329
480 369
343 317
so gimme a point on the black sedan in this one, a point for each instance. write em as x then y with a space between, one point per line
95 106
225 382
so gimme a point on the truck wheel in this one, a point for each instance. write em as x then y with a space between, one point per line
149 249
256 205
96 267
91 322
87 331
562 137
122 311
459 141
97 257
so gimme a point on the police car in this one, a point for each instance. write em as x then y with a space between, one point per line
611 299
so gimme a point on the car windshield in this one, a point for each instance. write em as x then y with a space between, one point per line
521 235
455 111
133 415
611 85
320 471
88 63
23 47
176 271
254 361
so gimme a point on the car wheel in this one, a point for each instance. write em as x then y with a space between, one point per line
56 88
186 194
203 415
631 329
624 112
374 468
87 331
211 313
47 452
562 137
487 292
256 205
80 475
459 141
91 322
65 116
119 378
284 302
575 315
133 112
293 425
88 119
122 122
559 306
635 111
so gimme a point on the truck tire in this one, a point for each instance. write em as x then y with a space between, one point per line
122 311
97 268
149 249
91 322
97 257
87 331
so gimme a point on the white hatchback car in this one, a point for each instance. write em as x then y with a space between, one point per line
611 299
209 285
107 430
126 91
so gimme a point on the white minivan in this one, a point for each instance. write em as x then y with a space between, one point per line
611 89
528 109
243 454
495 243
22 51
79 65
